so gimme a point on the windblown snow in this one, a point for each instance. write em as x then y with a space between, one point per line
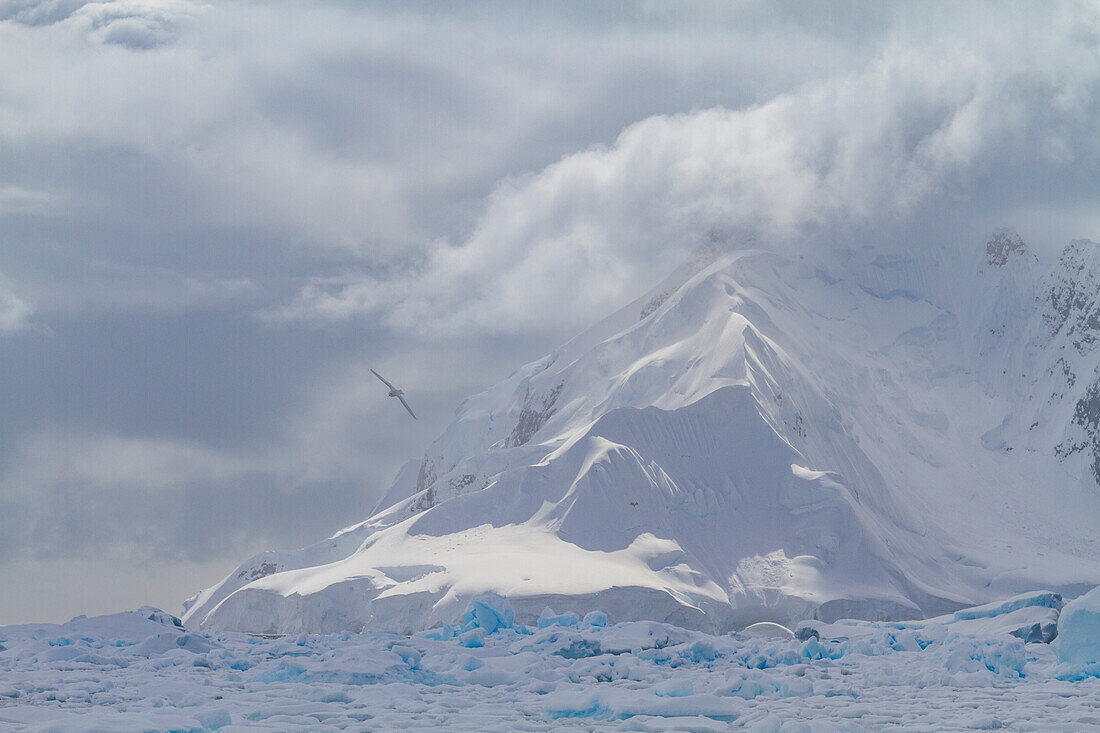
763 437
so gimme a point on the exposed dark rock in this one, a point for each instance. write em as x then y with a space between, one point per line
536 411
1086 415
426 476
1074 295
1072 312
265 569
1003 246
655 302
425 500
458 484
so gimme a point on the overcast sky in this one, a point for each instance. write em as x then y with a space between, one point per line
214 217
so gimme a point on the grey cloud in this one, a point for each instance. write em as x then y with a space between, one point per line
134 24
379 140
201 436
162 499
14 199
39 12
214 218
906 136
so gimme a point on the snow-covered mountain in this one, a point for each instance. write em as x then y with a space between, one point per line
763 436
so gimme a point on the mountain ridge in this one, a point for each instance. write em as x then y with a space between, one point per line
762 436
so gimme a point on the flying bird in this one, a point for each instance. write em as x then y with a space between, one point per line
395 392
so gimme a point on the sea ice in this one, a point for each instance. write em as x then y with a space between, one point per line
1078 639
140 671
490 611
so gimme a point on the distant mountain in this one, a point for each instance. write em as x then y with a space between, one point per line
763 436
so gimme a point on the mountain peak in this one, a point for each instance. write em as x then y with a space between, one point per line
1080 263
1006 245
762 437
1073 294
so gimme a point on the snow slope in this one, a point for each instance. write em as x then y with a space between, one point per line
763 437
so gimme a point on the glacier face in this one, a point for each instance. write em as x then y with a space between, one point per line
763 436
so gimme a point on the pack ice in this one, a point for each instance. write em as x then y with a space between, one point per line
765 436
969 670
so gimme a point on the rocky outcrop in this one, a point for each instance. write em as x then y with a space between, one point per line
537 409
1072 314
1073 296
1006 245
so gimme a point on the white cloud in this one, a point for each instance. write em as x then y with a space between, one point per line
363 133
92 464
136 24
14 312
66 490
15 199
405 174
577 238
110 286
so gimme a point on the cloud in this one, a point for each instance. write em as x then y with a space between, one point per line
39 12
910 132
14 313
14 199
66 492
441 191
97 286
358 134
134 24
76 493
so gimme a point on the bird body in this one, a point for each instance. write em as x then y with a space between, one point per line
395 392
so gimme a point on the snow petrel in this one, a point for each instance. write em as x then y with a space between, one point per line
395 392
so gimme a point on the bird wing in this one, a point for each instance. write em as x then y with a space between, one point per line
383 379
406 404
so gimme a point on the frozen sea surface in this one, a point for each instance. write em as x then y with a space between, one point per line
960 672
